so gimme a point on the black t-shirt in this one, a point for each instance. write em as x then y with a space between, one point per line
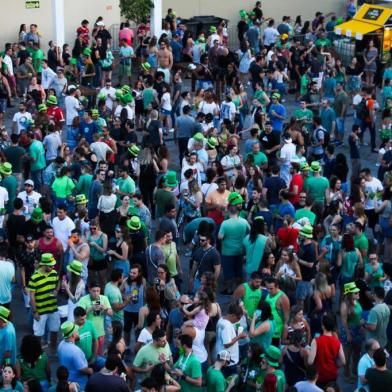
105 36
378 380
364 299
27 260
105 382
242 28
274 185
255 71
138 241
52 59
15 227
307 252
206 259
22 55
36 231
153 132
270 140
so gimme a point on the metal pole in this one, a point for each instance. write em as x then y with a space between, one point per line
58 21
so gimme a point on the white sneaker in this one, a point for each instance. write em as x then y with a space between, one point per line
171 130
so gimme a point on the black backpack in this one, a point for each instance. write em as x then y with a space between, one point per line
362 110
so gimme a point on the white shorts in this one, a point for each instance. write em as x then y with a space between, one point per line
53 320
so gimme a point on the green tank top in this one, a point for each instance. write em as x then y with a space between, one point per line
354 318
276 313
265 339
38 371
148 97
95 254
251 299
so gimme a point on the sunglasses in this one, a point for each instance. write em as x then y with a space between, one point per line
93 228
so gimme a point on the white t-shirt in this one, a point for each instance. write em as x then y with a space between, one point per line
225 333
106 203
144 337
47 76
371 188
130 111
52 143
8 62
197 169
71 109
270 35
206 188
62 229
287 152
206 107
21 119
228 110
166 101
7 273
109 92
3 201
306 386
29 201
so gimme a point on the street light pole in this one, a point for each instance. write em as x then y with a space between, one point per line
156 18
58 22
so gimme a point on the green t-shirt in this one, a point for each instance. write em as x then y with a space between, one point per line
63 187
304 115
260 96
254 252
163 198
114 296
38 371
361 242
375 275
170 252
38 56
316 186
37 152
233 231
126 185
323 42
259 159
304 213
87 334
216 382
192 368
11 184
97 320
379 316
84 183
149 355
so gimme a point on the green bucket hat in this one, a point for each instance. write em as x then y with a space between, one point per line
134 150
75 267
305 166
212 142
52 100
275 96
134 223
126 98
42 107
125 89
198 137
272 355
4 313
213 29
87 52
6 168
306 231
47 259
350 288
101 96
68 328
73 61
146 66
315 166
235 198
81 199
202 39
37 215
171 179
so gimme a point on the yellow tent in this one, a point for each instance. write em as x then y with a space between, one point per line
369 18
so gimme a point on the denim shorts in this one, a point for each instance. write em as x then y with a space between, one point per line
304 290
166 112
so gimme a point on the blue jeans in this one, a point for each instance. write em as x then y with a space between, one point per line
340 126
36 176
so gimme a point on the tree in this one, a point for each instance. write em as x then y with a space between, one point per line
136 10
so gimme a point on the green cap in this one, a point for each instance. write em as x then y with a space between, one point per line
75 267
47 259
4 313
315 166
37 215
87 52
134 150
171 179
52 100
134 223
275 96
235 198
68 328
350 288
42 107
81 199
272 355
6 168
306 231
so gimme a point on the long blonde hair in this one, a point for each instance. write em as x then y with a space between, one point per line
145 156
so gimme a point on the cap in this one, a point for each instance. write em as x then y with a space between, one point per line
225 355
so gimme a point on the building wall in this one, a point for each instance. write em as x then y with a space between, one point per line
228 9
14 13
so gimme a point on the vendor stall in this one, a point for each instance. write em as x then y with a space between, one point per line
370 22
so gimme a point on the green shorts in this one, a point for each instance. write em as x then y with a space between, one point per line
125 70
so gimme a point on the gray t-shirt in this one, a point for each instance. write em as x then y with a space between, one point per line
154 257
185 126
306 386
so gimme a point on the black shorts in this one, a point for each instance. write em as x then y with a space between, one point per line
130 320
372 218
97 265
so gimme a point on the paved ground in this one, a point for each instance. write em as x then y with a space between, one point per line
21 317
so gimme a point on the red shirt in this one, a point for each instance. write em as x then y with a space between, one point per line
56 114
326 356
288 237
299 181
83 33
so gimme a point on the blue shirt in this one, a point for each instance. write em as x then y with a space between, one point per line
176 50
87 130
72 137
279 109
8 342
73 358
185 125
328 117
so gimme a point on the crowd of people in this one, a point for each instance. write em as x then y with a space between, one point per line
209 224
